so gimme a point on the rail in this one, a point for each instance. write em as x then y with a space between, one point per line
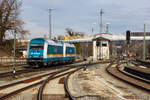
31 85
80 66
40 92
130 80
66 87
147 63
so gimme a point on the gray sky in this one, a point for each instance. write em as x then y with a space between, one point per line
82 15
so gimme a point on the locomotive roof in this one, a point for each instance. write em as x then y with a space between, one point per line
51 42
69 45
59 43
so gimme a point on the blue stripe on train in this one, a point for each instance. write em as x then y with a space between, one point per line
46 60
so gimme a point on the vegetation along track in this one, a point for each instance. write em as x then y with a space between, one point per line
114 71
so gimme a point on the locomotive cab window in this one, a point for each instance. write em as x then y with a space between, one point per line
36 47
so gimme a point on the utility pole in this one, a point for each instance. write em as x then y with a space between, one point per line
101 20
50 23
92 30
15 31
144 43
93 27
107 28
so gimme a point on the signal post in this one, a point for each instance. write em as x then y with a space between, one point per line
128 44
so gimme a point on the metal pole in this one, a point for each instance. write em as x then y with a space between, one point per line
15 31
50 23
144 43
92 30
97 53
87 49
101 19
107 28
127 54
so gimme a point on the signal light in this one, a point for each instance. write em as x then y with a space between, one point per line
128 36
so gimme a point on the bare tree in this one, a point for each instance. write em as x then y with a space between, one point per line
70 31
73 33
8 18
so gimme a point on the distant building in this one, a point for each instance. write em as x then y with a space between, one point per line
139 33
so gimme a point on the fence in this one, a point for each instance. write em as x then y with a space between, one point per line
10 60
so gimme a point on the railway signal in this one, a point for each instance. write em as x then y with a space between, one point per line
128 42
128 36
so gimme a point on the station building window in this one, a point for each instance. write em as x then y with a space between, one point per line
104 44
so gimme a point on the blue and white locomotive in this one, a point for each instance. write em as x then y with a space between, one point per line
47 52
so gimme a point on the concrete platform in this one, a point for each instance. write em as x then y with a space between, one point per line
53 87
139 68
99 84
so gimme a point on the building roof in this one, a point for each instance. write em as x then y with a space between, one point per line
111 37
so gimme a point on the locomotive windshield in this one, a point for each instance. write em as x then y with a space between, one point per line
36 46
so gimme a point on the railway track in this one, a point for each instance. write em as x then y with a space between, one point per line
116 72
138 71
29 70
54 76
137 64
23 71
10 64
145 63
42 79
68 93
